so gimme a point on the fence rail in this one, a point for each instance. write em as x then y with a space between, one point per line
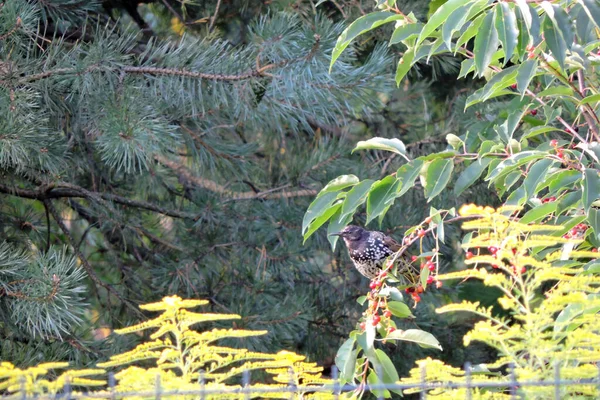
510 387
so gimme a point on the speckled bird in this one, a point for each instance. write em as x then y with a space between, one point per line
367 249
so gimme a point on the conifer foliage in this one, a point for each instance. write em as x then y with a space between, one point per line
166 161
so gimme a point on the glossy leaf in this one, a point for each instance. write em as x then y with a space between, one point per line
390 375
422 338
486 43
405 31
321 219
317 208
381 195
399 309
592 9
513 162
407 174
506 25
525 74
439 17
590 99
470 175
594 220
379 143
454 23
339 183
555 41
404 64
591 188
535 175
345 360
437 177
536 214
361 25
355 197
471 31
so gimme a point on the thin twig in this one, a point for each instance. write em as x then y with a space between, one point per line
214 17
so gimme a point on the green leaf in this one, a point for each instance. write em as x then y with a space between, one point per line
399 309
373 380
336 224
321 219
404 64
563 179
317 208
568 201
525 74
422 338
439 17
454 141
503 185
590 99
536 174
498 82
506 25
555 41
381 195
538 213
486 43
390 375
513 162
556 91
594 220
407 174
454 23
339 183
591 188
345 360
538 130
592 9
391 292
379 143
470 175
355 197
525 12
437 177
471 31
361 25
405 31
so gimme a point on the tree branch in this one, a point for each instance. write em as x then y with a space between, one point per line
212 186
84 262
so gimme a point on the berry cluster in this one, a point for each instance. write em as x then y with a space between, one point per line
497 253
576 231
378 312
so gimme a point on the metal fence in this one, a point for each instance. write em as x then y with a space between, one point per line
511 386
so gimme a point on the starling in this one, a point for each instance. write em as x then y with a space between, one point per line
367 249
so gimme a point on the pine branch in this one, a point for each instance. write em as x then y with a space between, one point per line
64 190
85 263
186 175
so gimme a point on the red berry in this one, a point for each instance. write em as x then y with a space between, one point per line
469 255
414 258
429 280
523 270
423 265
416 298
594 250
362 326
428 258
493 250
495 266
391 329
428 220
530 48
376 319
552 198
387 313
431 266
534 112
574 232
514 250
409 289
554 143
420 289
382 274
421 233
513 86
438 284
559 153
373 285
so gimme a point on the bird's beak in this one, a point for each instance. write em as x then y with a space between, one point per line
336 234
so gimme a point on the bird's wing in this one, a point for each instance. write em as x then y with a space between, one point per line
392 244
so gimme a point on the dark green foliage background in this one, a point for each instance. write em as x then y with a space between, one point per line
97 131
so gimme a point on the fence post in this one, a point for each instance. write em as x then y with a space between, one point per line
379 374
67 388
292 384
513 382
336 382
23 390
158 388
423 382
468 379
246 384
202 385
557 380
111 385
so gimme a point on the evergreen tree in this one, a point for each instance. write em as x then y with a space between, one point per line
173 149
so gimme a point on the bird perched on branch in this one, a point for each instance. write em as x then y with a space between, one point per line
367 249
